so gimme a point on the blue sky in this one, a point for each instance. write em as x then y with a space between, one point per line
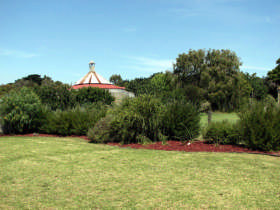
133 38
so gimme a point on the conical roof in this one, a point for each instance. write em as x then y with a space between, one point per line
93 79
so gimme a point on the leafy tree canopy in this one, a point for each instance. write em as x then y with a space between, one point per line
217 73
274 74
116 79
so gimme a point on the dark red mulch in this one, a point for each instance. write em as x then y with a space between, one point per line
197 146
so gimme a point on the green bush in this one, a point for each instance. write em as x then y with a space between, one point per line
100 133
60 96
21 111
135 117
180 121
133 121
56 95
261 127
75 121
92 95
223 132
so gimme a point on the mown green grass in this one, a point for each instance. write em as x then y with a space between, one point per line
41 172
218 116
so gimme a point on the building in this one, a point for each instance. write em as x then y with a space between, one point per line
93 79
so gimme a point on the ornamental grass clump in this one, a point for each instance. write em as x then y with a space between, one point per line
180 121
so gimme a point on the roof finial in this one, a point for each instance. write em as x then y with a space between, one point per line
91 66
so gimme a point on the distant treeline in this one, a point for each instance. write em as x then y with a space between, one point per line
208 78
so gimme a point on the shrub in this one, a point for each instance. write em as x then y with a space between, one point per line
261 127
21 111
75 121
55 95
133 121
223 132
100 133
92 95
180 121
269 100
136 117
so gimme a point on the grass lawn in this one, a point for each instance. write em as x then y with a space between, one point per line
44 172
218 116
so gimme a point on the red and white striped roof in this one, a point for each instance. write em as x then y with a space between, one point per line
92 79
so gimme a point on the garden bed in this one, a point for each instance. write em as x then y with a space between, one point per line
196 146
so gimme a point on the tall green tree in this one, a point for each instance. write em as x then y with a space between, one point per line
273 79
116 79
217 73
259 88
274 74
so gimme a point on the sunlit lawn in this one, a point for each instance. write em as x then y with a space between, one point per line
41 172
218 116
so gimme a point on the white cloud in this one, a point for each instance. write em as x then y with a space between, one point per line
140 63
17 53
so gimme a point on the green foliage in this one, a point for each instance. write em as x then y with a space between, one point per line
100 133
116 79
268 100
5 89
60 96
32 80
140 86
21 111
259 88
134 120
261 127
180 121
75 121
216 72
205 106
145 119
273 79
92 95
223 132
135 117
55 95
274 74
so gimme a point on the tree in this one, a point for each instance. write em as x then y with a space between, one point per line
116 79
217 73
274 74
259 87
273 79
29 81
